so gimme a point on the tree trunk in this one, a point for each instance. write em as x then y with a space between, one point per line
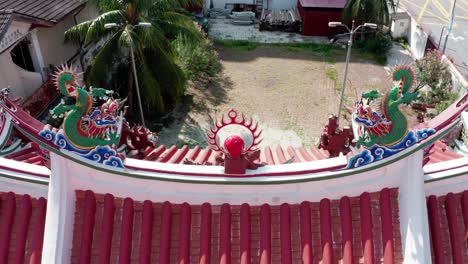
131 86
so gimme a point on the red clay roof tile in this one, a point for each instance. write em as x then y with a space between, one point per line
22 221
185 233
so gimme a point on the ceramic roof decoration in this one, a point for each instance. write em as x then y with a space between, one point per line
237 156
302 205
91 132
386 128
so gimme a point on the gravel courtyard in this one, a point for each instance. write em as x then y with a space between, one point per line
289 91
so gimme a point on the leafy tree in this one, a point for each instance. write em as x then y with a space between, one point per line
370 11
199 60
434 73
161 79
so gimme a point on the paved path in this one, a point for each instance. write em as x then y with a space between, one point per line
434 15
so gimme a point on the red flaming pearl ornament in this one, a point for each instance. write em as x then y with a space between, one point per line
234 145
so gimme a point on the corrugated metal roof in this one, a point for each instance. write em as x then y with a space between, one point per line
5 16
323 3
50 10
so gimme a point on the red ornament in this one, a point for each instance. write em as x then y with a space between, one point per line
234 145
232 119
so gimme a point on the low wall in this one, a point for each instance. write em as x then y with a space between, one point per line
417 39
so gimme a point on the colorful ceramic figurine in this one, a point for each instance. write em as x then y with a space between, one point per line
385 127
385 124
90 132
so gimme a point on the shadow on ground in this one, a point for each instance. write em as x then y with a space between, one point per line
314 52
289 91
186 123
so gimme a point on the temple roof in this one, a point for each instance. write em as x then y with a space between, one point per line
439 152
109 229
22 221
448 224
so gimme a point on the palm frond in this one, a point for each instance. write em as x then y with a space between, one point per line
189 3
375 11
143 6
153 38
169 75
176 18
174 24
127 38
103 61
77 34
107 5
97 31
150 85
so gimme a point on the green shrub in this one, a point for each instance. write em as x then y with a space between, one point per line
197 60
434 73
331 73
378 45
442 105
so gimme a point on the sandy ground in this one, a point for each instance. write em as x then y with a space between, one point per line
287 91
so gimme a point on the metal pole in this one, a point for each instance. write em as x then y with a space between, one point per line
137 86
440 39
350 43
450 26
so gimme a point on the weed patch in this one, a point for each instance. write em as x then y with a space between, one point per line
331 73
237 44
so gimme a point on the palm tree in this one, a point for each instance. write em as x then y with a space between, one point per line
370 11
161 79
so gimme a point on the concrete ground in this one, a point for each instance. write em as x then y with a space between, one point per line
434 16
222 28
290 92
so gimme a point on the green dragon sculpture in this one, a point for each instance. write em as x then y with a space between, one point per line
84 128
380 115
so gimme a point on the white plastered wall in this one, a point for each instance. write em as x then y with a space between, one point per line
414 226
51 40
417 39
22 82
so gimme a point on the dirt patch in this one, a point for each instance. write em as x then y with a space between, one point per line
290 92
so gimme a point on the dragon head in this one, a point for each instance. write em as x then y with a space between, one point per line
67 80
403 78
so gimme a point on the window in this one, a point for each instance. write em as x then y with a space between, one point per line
21 56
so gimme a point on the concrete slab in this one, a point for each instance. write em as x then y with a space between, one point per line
222 28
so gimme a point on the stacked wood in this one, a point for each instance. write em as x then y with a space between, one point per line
283 20
242 18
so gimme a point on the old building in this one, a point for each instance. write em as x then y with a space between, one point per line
31 40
